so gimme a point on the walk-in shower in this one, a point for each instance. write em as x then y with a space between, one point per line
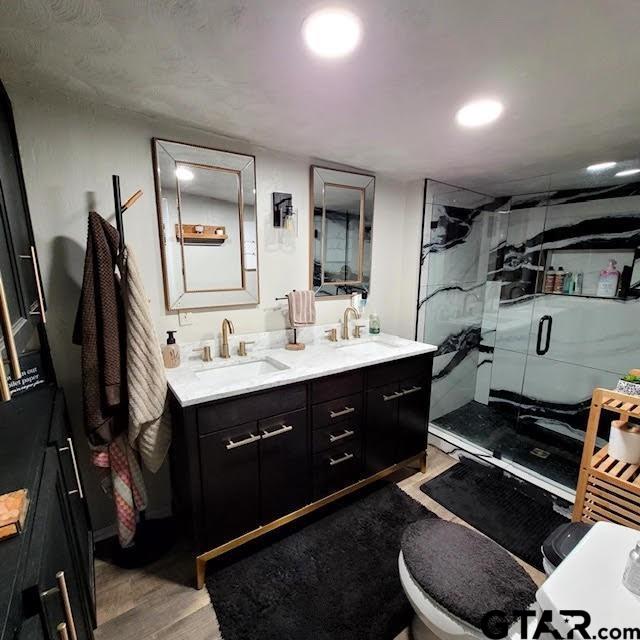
520 345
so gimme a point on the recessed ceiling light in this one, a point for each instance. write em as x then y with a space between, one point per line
479 113
601 166
332 32
182 173
627 172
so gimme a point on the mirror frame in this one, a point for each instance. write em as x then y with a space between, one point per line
365 183
209 298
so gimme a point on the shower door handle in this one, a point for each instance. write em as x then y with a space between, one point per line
548 321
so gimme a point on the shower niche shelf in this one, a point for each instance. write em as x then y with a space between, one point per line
608 488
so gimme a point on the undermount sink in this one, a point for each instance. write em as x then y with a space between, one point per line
231 373
372 347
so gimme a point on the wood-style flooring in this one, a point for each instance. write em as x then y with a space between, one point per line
160 602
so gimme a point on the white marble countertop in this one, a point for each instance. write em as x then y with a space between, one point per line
195 381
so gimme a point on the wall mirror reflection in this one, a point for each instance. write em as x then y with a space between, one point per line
342 222
208 228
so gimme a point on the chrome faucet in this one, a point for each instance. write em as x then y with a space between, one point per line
227 328
345 321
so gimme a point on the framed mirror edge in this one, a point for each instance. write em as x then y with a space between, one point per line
169 306
356 172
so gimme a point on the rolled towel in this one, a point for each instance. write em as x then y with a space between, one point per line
302 308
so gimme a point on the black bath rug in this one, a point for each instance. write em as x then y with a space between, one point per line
517 517
334 578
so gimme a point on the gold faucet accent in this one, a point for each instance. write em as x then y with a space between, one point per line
345 321
227 328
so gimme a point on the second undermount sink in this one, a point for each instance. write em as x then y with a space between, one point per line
369 348
231 373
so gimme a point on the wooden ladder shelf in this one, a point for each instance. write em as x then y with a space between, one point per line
608 489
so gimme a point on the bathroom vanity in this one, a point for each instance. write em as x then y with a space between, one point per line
262 440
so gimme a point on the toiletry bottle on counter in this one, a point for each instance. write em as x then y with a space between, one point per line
567 287
608 281
374 324
171 352
558 285
631 576
550 280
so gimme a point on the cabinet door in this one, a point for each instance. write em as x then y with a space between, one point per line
413 416
52 576
381 428
229 463
61 439
284 464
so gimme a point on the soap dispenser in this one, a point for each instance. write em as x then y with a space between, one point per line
171 352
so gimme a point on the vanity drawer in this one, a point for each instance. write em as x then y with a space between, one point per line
397 370
336 469
333 435
334 411
228 413
337 386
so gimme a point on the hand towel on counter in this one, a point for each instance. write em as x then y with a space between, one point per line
302 308
149 417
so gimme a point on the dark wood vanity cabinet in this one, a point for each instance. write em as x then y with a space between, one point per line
242 463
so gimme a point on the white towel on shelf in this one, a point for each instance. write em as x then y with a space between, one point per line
302 308
149 416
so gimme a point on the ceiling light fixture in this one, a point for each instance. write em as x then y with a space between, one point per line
627 172
601 166
332 32
479 112
182 173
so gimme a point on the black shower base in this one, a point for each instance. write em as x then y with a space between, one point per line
553 456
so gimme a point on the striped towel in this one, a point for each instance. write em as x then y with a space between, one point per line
122 476
302 308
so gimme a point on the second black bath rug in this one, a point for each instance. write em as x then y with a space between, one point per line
498 506
334 578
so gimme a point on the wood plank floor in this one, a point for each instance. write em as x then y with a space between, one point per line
159 601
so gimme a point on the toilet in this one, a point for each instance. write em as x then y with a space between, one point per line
452 575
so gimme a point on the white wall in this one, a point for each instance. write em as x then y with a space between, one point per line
69 152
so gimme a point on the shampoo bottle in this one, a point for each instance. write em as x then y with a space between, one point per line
171 352
608 281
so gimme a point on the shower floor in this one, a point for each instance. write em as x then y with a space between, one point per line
551 455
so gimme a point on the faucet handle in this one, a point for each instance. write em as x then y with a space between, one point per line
206 353
357 330
242 347
332 334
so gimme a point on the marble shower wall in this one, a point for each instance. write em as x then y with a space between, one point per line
460 232
479 302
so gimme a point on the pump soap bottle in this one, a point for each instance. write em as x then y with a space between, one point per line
171 352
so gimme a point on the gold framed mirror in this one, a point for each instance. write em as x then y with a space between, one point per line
206 201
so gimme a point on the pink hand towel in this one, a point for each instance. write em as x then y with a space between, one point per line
302 308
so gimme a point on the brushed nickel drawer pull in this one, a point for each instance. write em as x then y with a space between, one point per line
9 342
285 428
335 461
344 412
406 392
345 434
36 275
68 614
71 450
394 396
232 444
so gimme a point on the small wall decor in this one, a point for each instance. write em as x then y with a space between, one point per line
284 214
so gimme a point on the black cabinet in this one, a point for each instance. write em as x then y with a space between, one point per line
242 463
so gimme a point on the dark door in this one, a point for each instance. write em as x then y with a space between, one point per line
52 577
83 536
229 462
381 427
284 466
413 415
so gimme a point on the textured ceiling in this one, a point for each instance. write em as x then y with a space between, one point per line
566 70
